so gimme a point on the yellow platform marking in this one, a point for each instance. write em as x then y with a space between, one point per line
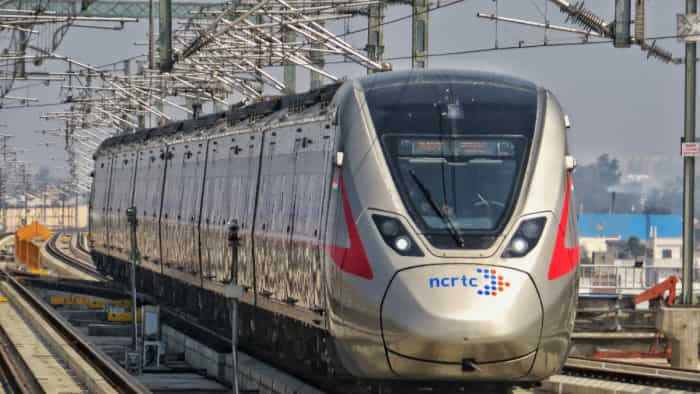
91 303
121 316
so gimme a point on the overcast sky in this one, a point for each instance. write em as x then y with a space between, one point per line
619 102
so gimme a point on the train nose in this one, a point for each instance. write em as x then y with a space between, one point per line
464 315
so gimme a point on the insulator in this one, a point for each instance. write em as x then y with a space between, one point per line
659 53
586 18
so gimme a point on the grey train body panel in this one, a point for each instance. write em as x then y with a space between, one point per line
467 170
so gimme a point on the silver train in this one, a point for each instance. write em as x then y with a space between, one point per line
420 223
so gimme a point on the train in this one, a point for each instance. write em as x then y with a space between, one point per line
406 226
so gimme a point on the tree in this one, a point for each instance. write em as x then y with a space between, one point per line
594 183
636 247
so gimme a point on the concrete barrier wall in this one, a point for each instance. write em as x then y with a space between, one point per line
253 374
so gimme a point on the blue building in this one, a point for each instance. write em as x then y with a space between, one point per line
625 226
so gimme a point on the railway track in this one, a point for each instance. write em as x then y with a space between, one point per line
634 373
94 369
76 259
15 372
610 371
80 246
263 377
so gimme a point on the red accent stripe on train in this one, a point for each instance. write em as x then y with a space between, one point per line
564 259
353 259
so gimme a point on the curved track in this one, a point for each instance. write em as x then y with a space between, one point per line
73 260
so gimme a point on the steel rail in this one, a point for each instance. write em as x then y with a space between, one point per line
15 371
81 245
650 375
118 378
76 248
53 250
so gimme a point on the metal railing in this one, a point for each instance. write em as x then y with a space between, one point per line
620 279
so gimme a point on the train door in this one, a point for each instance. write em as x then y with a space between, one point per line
312 146
120 192
99 203
170 206
180 210
273 217
229 194
194 170
148 186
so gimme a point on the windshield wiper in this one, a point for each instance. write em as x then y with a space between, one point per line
450 225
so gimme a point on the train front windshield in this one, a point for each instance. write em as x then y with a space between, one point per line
457 147
464 183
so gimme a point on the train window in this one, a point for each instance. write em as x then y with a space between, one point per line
457 184
450 103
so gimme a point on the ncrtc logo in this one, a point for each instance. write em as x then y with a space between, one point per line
487 282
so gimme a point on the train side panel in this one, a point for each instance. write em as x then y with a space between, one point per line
272 233
98 203
552 187
312 164
181 199
121 188
229 194
148 187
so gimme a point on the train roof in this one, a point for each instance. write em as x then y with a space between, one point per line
234 115
407 77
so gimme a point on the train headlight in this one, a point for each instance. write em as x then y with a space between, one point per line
525 238
402 243
396 236
519 245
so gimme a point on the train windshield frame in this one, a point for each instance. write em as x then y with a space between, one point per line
453 108
457 183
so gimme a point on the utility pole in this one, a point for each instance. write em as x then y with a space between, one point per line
25 187
317 60
691 7
3 179
77 198
151 36
375 33
63 213
43 208
419 52
141 117
134 257
234 292
166 35
290 70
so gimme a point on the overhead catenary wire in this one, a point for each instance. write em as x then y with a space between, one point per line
457 52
